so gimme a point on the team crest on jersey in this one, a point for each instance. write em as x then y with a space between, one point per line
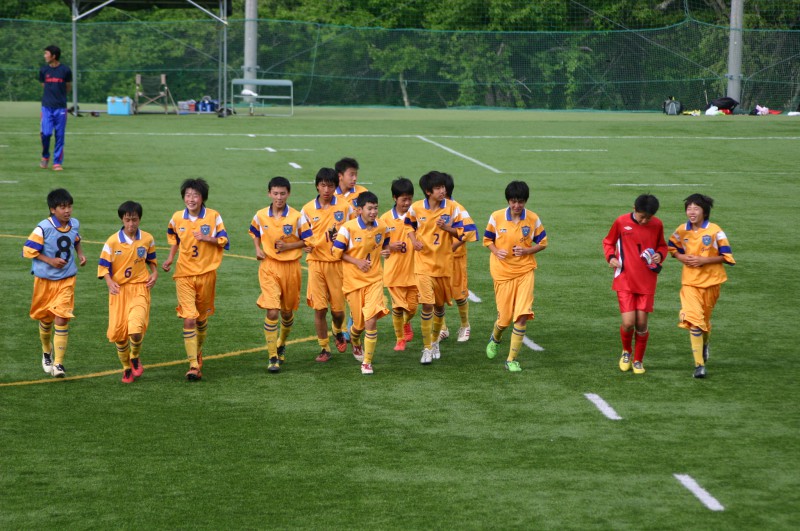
141 252
446 218
287 229
205 230
706 240
338 216
526 231
378 238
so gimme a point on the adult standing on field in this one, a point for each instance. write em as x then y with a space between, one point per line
56 80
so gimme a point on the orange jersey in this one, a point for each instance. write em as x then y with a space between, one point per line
398 268
505 234
708 240
322 220
350 196
365 242
126 259
196 257
436 257
291 226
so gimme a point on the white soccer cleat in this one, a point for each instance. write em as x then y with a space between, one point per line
59 371
426 358
435 353
463 334
366 368
47 363
444 333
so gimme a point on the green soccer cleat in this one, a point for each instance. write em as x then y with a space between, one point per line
513 366
491 348
625 361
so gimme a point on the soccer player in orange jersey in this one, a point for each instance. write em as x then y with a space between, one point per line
128 265
279 235
514 235
703 249
398 268
348 189
198 232
360 244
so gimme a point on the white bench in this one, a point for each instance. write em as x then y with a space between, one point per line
264 95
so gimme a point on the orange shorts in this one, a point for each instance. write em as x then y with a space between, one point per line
128 312
459 278
53 298
434 290
697 305
280 285
324 287
196 295
405 297
366 303
630 302
514 299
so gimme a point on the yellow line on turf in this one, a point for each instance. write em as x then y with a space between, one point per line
152 365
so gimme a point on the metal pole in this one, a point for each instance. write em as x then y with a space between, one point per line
224 16
735 51
75 57
250 68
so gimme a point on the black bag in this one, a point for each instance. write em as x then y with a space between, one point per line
724 103
672 107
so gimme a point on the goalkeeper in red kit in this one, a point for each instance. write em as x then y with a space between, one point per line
635 248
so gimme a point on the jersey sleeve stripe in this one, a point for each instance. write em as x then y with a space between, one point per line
339 245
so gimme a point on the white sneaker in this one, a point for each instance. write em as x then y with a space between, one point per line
435 354
366 368
426 357
47 363
58 371
463 334
444 333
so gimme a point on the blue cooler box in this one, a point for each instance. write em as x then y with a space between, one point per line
119 105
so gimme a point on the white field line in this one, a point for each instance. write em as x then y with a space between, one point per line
9 182
531 345
313 182
456 153
564 150
473 297
603 406
295 165
702 494
267 149
660 185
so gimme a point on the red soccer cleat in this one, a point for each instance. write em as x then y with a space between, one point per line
408 332
127 376
136 367
401 345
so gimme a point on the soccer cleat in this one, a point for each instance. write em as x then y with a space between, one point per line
341 342
324 356
137 368
444 334
127 376
491 348
638 368
435 353
59 371
358 352
401 345
408 332
513 366
700 371
194 375
199 359
43 163
366 368
347 329
463 334
705 353
625 361
47 363
57 167
426 358
274 365
281 354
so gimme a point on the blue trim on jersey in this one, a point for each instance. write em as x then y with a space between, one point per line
224 234
521 217
364 225
105 263
458 225
283 214
34 245
410 223
255 231
725 249
540 237
151 257
306 234
202 213
679 249
386 243
339 245
489 234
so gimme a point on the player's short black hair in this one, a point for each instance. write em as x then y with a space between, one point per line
130 208
431 180
366 197
55 51
198 185
345 164
518 190
279 182
58 197
449 185
646 204
402 186
703 201
327 175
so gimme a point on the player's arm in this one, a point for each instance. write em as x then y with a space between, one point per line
79 251
113 287
173 249
490 240
151 280
610 245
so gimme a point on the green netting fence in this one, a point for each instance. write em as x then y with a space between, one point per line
339 65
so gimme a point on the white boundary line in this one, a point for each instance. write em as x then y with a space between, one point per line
700 493
531 345
603 406
9 182
661 185
563 150
295 165
456 153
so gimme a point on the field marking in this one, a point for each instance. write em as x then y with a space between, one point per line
660 185
151 365
603 406
267 149
473 297
700 493
295 165
9 182
456 153
564 150
531 345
